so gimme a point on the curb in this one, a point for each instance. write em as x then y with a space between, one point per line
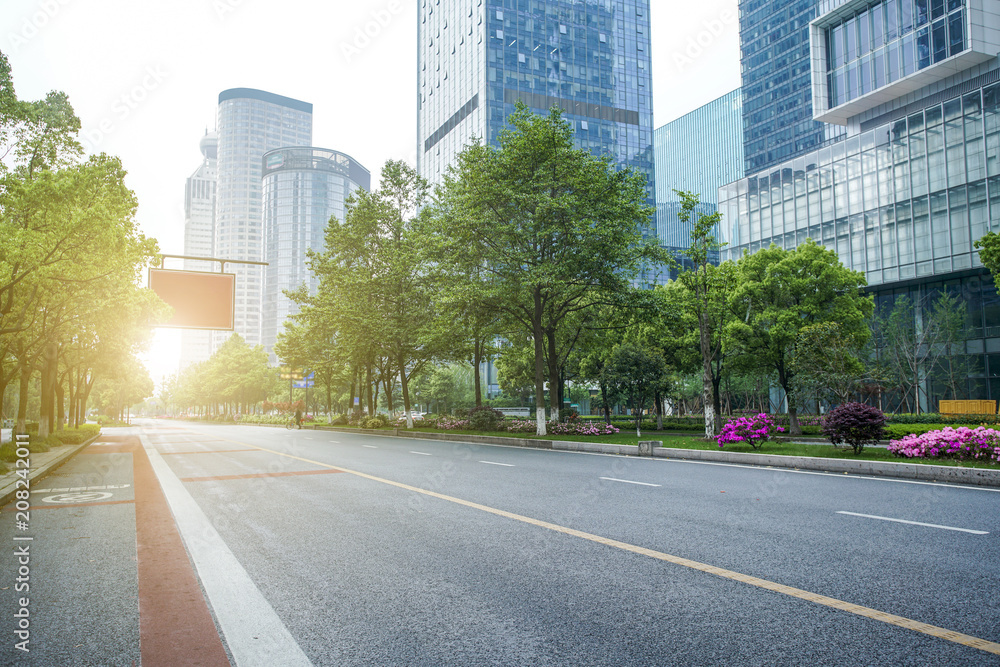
911 471
46 468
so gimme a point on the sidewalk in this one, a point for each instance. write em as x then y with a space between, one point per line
41 464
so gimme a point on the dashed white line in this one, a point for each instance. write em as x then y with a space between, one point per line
421 453
916 523
494 463
369 446
628 481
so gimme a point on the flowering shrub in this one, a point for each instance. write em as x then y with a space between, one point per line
751 430
856 424
961 443
582 428
375 421
485 419
520 426
452 424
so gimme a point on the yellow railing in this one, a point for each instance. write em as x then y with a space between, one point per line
967 407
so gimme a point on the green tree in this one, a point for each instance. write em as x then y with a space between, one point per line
780 292
636 372
375 295
827 361
555 230
989 254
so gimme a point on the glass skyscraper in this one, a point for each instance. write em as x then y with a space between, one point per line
251 122
476 60
916 180
199 233
777 96
699 152
302 189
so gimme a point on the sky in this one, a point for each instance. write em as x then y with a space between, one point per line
144 77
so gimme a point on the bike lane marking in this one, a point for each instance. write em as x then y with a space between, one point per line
255 634
798 593
175 624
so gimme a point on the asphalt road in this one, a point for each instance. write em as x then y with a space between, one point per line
329 548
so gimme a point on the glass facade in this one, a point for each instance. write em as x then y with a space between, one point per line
699 152
886 41
777 82
303 188
199 232
477 59
251 122
903 202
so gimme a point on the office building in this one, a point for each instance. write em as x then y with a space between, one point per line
916 179
698 152
476 60
778 122
302 189
250 123
199 231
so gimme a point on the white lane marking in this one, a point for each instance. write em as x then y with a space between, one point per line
421 453
916 523
369 446
308 438
78 497
83 488
254 633
628 481
494 463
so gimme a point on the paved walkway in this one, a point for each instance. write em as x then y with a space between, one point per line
40 465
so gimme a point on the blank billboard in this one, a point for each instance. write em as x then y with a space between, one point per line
200 300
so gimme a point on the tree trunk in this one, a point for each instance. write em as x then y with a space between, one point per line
477 359
22 399
717 403
604 402
60 405
539 366
658 405
354 386
46 408
368 390
404 382
556 407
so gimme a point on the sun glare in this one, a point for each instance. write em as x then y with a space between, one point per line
163 357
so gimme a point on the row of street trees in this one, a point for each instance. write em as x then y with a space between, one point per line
537 244
529 251
71 259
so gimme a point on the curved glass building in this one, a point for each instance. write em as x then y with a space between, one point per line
302 189
251 122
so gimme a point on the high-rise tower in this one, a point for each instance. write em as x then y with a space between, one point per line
303 188
475 61
199 231
777 96
251 122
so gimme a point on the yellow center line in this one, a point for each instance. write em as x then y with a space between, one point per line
867 612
